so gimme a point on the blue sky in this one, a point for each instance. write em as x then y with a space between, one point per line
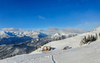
41 14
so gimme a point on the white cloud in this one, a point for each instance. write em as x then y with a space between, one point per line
40 30
41 17
89 25
12 29
74 30
21 29
52 30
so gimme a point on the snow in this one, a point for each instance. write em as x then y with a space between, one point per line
85 54
76 54
3 34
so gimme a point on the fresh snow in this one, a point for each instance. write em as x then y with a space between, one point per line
85 54
74 54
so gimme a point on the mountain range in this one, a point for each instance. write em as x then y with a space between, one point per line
22 42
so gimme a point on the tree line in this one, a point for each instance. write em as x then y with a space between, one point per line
89 39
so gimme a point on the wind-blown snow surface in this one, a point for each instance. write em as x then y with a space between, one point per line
75 54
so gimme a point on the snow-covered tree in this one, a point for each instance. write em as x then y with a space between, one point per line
96 36
99 35
89 39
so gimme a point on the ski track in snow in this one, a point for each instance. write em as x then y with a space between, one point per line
53 59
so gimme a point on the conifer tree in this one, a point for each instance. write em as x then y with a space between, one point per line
88 39
99 35
96 36
84 40
91 39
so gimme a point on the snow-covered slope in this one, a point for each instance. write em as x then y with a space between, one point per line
3 34
85 54
70 43
74 53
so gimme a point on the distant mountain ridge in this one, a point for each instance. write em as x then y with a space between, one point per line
16 37
32 34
